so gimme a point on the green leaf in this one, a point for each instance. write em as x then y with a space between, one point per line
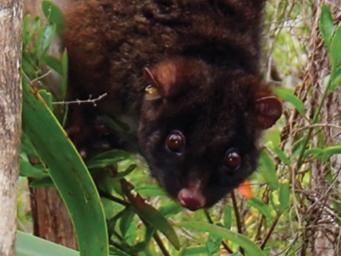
126 220
268 169
281 155
68 172
284 193
28 170
195 251
53 63
30 163
154 218
47 96
331 151
213 244
27 22
30 155
262 208
335 81
26 145
115 154
150 190
250 247
30 27
111 208
170 209
228 217
335 48
326 24
148 235
117 252
289 96
54 15
28 66
324 153
126 172
45 38
159 222
65 74
315 152
108 158
44 182
29 245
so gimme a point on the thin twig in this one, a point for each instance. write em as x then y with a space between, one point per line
271 230
236 213
90 100
259 228
113 198
40 77
237 216
160 244
318 126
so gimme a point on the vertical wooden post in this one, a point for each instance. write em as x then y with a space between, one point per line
10 119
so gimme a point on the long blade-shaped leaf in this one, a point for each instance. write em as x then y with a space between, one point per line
68 172
29 245
326 25
335 48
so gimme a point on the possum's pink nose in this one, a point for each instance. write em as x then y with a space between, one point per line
191 199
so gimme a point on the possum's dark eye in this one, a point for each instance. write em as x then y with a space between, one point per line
175 142
232 159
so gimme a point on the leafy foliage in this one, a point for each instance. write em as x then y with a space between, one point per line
138 218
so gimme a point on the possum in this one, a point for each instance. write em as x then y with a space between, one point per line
184 75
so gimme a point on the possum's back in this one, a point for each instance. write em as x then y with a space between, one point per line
111 41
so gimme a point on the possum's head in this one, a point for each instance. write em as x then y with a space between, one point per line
199 128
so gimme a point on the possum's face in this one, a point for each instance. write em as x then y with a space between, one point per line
199 129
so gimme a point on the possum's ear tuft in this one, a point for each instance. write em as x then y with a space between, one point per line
163 77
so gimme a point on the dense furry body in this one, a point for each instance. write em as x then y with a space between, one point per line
110 42
208 53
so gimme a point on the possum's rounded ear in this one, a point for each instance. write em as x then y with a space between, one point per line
163 78
269 110
152 90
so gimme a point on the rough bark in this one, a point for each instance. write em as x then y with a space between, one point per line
10 119
50 217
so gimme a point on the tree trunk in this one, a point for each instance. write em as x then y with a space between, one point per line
10 119
50 217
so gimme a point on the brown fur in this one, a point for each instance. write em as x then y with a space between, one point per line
202 56
111 41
